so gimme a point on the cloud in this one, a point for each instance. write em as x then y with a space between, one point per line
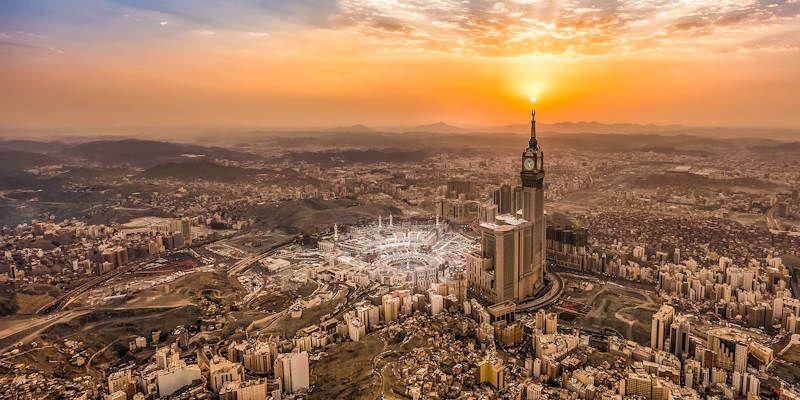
164 23
258 34
580 27
202 32
28 41
28 46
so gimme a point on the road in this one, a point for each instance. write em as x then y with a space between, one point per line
59 303
244 263
552 295
772 222
37 326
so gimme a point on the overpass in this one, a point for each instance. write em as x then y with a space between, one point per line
555 288
59 303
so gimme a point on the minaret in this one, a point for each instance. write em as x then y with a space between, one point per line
335 233
380 221
390 220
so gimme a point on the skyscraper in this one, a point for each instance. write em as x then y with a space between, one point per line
510 263
660 326
679 334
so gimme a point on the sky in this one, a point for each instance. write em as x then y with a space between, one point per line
115 64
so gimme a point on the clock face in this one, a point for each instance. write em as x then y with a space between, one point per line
528 164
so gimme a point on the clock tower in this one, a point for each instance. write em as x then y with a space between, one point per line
532 173
511 262
532 176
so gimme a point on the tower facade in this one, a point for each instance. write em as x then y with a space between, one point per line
510 263
532 177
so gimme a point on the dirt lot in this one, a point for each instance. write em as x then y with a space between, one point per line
187 290
347 371
30 303
288 327
625 310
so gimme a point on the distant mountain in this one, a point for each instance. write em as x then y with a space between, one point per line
15 160
315 215
201 169
790 150
439 127
351 156
149 152
621 143
647 129
352 129
33 146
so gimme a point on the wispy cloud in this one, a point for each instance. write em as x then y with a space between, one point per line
519 27
28 46
27 41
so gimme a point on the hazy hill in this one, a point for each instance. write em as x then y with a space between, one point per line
314 215
147 152
546 129
438 127
358 128
16 160
201 169
351 156
33 146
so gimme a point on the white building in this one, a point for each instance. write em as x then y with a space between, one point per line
437 304
356 329
173 378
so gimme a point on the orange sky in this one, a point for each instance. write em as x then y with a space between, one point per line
133 63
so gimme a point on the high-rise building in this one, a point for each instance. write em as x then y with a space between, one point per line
356 329
122 381
256 389
491 372
660 326
222 371
731 348
638 384
186 230
679 338
437 303
546 322
510 263
292 369
503 198
391 308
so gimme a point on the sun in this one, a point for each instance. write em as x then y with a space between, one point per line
533 99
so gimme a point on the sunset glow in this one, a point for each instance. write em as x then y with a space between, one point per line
138 63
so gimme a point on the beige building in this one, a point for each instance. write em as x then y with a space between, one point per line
510 264
257 389
491 372
660 327
222 371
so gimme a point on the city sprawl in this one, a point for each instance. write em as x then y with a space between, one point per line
312 265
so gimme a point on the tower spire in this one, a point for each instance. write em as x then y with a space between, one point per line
533 143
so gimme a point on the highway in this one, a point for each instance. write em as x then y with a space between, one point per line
34 327
59 303
244 263
552 295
